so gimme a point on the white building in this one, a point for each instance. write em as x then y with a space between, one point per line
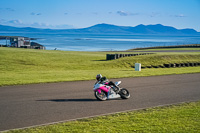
20 42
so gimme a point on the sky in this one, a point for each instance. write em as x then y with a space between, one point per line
64 14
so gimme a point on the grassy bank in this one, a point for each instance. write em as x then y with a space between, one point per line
173 47
182 118
25 66
170 49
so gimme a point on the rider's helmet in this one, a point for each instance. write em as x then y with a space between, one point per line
98 77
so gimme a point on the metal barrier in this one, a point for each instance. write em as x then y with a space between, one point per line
117 56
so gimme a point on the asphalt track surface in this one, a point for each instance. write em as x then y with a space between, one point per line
31 105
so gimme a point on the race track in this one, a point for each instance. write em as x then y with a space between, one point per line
30 105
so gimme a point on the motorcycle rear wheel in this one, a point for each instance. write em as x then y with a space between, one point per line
124 93
100 96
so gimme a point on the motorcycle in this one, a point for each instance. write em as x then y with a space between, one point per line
104 91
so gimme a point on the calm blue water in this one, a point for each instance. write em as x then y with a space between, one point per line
96 42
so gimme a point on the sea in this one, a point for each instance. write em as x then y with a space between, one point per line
104 42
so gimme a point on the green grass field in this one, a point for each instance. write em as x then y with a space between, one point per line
27 66
182 118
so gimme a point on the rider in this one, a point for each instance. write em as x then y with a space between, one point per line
103 80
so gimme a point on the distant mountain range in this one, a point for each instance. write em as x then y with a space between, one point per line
106 29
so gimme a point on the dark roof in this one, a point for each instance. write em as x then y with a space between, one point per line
36 44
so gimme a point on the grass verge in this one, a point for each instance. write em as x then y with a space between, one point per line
184 118
27 66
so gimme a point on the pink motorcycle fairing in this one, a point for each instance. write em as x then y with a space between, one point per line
99 87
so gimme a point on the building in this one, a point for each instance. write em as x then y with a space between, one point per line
21 42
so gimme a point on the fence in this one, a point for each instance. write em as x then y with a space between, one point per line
117 56
173 65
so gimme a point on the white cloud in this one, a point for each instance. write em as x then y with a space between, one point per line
154 14
10 9
19 23
39 14
7 9
33 13
180 15
50 26
123 13
14 22
62 26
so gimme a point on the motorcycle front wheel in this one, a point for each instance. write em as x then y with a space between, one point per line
100 96
124 93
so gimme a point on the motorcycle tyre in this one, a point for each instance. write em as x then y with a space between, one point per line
124 96
98 97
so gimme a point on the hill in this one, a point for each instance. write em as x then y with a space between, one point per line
107 29
139 29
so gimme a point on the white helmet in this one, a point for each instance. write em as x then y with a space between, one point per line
98 77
